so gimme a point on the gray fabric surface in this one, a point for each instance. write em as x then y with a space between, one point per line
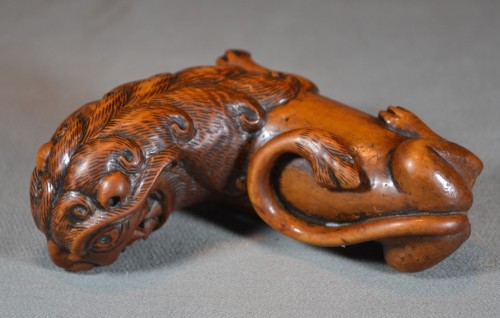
441 59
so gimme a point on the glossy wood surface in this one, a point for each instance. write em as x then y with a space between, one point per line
312 168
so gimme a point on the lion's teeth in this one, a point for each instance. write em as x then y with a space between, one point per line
154 211
138 235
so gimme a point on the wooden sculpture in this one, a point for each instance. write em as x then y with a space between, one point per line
314 169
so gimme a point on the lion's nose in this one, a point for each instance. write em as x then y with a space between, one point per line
63 259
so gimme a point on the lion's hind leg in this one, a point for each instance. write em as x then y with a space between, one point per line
436 174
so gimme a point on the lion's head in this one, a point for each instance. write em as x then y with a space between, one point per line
96 186
94 189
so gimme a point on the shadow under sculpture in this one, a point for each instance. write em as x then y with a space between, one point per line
312 168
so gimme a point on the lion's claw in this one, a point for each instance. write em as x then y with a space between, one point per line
398 118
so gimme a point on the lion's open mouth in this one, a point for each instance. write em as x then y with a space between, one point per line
155 216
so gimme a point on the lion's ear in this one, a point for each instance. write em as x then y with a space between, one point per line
166 159
41 157
156 164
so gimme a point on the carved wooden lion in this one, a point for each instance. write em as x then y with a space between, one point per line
312 168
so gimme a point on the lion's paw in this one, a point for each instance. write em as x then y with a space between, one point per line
401 120
242 59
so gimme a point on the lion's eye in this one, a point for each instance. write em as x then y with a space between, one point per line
107 239
80 212
76 206
113 190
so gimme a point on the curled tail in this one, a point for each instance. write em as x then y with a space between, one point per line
335 168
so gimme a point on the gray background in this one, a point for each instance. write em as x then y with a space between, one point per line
441 59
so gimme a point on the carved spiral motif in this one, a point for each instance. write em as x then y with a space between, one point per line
249 114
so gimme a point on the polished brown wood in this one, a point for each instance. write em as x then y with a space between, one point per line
312 168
